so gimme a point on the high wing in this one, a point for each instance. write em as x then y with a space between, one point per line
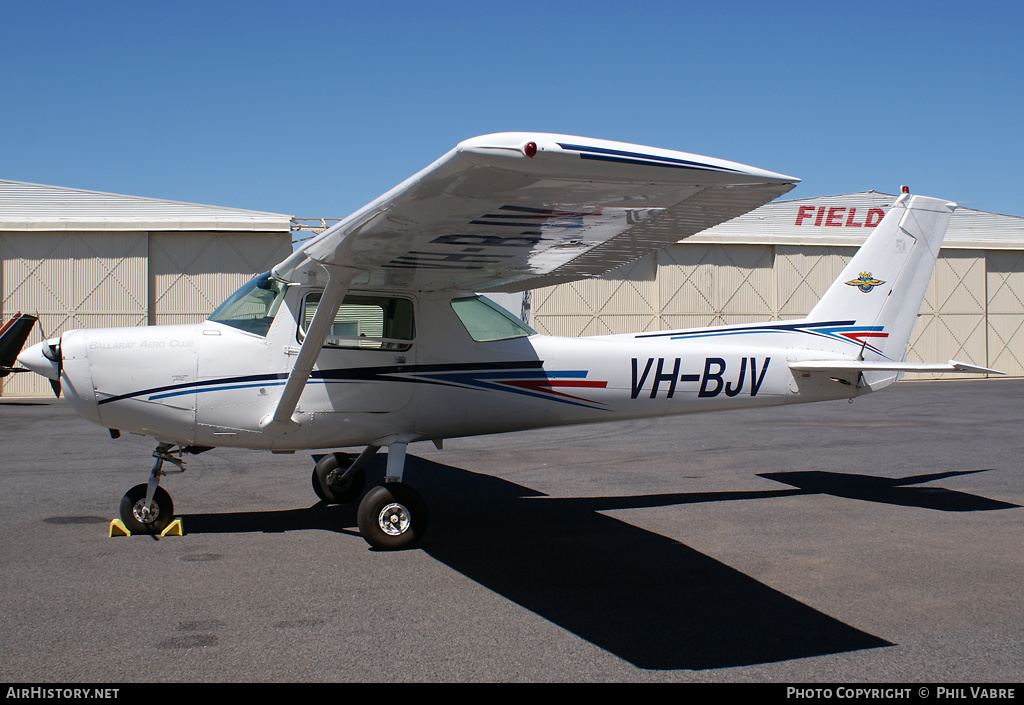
515 211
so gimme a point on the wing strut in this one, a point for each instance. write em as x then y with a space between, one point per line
338 281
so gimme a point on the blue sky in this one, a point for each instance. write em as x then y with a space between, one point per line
314 108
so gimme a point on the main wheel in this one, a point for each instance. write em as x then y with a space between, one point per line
337 492
138 519
392 517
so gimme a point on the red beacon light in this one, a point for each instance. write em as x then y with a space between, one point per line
530 149
904 189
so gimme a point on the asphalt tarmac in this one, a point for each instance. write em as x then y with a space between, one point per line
879 541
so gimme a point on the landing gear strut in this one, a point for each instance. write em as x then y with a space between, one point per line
339 480
148 509
393 516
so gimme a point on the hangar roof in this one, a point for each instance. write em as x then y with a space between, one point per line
847 219
25 206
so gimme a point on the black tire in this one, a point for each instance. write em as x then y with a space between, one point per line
392 517
337 493
131 504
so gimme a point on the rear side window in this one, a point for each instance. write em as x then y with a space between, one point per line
486 321
365 322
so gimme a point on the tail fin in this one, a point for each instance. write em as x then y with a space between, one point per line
13 335
879 293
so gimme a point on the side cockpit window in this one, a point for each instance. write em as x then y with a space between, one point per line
252 308
365 322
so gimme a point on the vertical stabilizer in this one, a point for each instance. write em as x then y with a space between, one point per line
881 289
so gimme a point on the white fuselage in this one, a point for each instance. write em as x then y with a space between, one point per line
211 384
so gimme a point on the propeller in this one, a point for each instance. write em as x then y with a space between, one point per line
51 351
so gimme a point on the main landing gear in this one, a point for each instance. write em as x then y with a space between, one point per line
391 516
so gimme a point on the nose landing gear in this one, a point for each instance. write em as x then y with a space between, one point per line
147 508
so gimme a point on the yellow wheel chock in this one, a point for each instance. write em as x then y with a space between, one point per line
175 528
117 528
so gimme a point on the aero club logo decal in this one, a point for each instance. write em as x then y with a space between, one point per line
865 282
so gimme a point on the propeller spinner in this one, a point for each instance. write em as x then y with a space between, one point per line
45 359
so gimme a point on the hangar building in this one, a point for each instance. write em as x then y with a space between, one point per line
84 259
776 261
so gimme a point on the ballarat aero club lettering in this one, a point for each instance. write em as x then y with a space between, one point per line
661 376
134 344
839 216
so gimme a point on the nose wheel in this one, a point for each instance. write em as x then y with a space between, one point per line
141 517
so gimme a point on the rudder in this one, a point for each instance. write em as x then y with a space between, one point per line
882 287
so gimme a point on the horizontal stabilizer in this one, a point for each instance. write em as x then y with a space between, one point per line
887 366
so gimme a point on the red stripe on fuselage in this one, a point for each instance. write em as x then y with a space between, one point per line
546 385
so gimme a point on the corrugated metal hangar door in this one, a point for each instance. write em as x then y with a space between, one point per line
711 285
109 279
192 273
624 301
71 280
972 310
1005 280
951 323
75 280
691 285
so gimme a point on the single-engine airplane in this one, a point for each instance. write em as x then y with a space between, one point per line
373 334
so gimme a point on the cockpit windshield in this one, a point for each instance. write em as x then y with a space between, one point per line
252 308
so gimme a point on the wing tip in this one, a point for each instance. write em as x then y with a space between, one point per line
546 145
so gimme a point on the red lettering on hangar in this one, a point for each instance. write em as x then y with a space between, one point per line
839 216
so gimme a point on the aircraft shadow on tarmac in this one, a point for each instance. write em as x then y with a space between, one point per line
644 597
885 490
